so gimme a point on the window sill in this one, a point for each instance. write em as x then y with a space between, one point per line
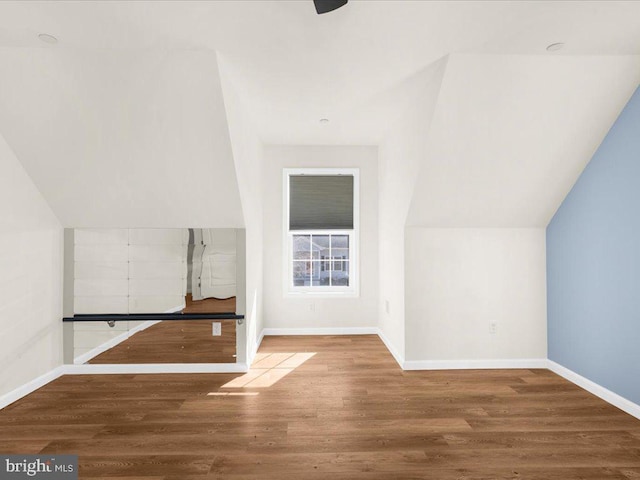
303 294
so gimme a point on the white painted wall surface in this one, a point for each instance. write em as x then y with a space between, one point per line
30 278
400 158
314 311
458 281
248 157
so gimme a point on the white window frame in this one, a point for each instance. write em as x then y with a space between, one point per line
354 238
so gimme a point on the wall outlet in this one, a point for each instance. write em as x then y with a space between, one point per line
493 327
312 306
387 308
216 329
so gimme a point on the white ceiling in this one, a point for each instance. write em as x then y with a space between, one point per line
293 67
122 139
131 97
511 133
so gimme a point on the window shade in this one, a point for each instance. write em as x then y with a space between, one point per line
321 202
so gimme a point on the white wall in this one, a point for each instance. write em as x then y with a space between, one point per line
315 312
458 281
400 157
30 278
248 157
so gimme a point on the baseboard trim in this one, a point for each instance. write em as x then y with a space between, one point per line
321 331
143 368
605 394
475 364
32 386
391 349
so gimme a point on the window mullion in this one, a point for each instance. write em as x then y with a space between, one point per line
311 261
330 261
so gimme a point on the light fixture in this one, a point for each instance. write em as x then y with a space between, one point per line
46 38
324 120
326 6
554 47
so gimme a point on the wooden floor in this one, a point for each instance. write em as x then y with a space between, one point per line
327 408
209 305
180 341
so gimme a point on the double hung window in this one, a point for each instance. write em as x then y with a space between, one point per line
321 224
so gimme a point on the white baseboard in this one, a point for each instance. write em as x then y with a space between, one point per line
321 331
474 364
598 390
142 368
50 376
29 387
85 357
605 394
391 349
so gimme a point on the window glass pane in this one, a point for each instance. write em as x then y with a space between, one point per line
340 278
320 246
302 247
320 278
340 246
301 274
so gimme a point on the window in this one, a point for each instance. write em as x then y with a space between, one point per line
321 222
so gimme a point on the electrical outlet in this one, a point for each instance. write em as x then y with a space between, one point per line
387 308
216 329
312 306
493 327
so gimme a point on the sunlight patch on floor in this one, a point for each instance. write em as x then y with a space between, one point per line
233 394
269 368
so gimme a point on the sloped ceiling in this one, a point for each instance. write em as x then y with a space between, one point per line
511 133
122 138
122 122
291 66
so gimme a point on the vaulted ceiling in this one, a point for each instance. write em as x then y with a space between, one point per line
131 96
511 133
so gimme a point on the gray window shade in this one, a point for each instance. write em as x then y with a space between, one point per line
321 202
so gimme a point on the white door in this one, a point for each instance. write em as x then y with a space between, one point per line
218 276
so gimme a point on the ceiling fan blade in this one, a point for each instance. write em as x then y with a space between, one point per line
325 6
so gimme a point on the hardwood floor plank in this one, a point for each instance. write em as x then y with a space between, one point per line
487 473
22 446
44 432
630 473
406 425
142 466
333 407
551 424
530 440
